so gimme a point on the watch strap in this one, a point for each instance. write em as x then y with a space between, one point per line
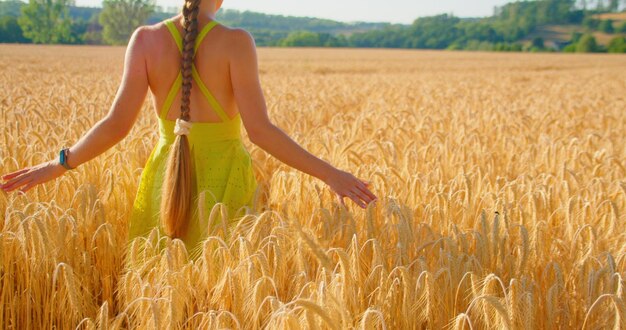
63 158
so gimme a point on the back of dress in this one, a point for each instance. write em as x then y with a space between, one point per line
222 167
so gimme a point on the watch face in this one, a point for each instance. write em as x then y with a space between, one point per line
62 158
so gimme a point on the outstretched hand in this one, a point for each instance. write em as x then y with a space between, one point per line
28 177
345 184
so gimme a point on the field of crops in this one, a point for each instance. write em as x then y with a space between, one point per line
501 181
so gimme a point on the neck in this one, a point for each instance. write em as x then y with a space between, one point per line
206 11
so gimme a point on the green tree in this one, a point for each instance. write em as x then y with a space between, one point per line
576 37
571 48
587 44
538 43
436 32
302 39
329 40
93 33
46 21
617 45
591 23
119 18
10 30
622 28
79 28
606 26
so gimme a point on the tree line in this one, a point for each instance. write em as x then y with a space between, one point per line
57 21
506 30
50 21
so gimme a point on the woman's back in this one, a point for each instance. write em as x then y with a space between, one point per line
212 61
221 168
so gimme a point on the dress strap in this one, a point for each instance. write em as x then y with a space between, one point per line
171 96
196 76
209 97
206 29
179 39
179 79
174 31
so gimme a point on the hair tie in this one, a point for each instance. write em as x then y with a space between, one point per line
182 127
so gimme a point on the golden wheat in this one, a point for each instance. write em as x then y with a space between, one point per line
501 179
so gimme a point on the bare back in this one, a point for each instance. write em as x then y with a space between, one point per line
212 61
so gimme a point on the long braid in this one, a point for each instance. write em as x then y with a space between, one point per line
177 186
190 25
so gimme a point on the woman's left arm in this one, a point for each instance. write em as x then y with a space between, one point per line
104 134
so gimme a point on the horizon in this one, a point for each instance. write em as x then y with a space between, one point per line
391 11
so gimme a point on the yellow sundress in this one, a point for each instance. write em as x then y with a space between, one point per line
222 166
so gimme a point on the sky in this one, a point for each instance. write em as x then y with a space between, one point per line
395 11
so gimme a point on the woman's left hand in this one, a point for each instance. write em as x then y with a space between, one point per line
27 178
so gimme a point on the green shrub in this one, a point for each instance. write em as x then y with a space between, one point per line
617 45
587 44
571 48
591 23
606 26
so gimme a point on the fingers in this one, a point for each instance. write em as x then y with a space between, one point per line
347 185
352 197
14 174
368 193
340 199
356 200
363 197
17 182
28 186
28 178
365 183
362 186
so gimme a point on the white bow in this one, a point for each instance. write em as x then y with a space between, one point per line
182 127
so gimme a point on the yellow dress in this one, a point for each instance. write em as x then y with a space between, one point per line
222 166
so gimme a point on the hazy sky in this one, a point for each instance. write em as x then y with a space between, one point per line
397 11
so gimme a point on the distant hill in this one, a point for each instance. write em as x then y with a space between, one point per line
267 29
252 20
618 17
84 13
10 8
539 25
558 36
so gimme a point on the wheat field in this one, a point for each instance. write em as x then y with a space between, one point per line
501 181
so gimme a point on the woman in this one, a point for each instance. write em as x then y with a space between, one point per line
201 102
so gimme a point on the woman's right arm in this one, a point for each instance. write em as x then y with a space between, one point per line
269 137
105 133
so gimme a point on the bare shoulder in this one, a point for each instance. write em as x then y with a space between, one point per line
237 41
147 36
239 35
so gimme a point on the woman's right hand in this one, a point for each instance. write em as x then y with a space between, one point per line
345 184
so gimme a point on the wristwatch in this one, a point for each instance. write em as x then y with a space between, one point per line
63 158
